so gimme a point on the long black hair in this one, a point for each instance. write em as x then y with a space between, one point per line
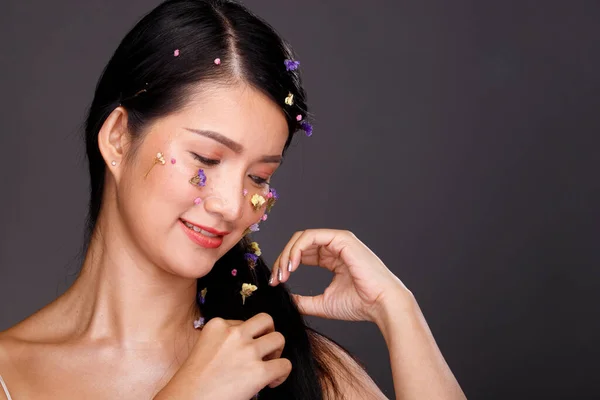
144 77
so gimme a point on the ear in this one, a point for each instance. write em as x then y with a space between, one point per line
113 140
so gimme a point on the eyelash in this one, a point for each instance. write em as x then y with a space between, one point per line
206 161
259 181
209 162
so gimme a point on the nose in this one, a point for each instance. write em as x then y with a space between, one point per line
226 202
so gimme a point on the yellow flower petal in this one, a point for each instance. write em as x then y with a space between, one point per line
255 249
247 290
289 100
257 201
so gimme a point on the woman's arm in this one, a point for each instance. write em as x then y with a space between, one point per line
364 289
418 367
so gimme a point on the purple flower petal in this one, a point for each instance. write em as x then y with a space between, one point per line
199 323
274 193
251 257
291 65
307 128
254 228
202 177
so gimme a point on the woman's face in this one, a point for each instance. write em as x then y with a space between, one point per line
236 135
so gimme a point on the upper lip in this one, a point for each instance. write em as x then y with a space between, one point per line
207 229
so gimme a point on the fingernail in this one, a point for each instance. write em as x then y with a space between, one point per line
270 280
290 265
280 274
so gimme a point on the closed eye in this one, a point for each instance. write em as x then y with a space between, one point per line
258 180
206 161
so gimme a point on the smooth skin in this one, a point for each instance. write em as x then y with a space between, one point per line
124 328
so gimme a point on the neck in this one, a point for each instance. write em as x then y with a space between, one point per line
121 298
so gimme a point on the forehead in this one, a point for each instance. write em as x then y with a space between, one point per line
240 112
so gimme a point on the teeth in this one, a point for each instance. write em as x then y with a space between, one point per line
202 231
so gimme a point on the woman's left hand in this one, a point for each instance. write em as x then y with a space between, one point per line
361 280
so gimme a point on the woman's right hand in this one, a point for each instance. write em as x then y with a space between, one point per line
232 360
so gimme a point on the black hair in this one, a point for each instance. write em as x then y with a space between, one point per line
144 77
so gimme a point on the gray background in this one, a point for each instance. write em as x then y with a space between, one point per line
459 140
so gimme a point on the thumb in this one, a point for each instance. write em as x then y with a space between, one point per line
310 305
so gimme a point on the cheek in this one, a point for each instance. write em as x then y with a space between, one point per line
160 195
167 194
174 187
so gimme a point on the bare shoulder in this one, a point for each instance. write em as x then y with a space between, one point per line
12 343
9 347
348 374
18 350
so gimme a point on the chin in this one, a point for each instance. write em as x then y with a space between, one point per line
192 267
191 261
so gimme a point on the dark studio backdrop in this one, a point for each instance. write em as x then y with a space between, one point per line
459 140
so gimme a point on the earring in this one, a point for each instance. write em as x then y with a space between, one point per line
199 179
159 159
113 163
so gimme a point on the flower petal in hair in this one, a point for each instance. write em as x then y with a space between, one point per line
291 65
247 290
202 295
307 128
254 228
251 259
251 228
255 249
289 100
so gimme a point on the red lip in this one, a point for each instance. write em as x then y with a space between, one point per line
200 239
207 229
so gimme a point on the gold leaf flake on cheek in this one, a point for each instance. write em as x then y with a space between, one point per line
158 159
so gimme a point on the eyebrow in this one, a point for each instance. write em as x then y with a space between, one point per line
233 145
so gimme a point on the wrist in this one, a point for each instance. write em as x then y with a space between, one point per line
395 308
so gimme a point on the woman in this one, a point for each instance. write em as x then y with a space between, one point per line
190 119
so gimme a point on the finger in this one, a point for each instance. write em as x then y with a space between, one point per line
310 305
270 346
278 274
311 240
260 324
277 371
286 263
220 324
